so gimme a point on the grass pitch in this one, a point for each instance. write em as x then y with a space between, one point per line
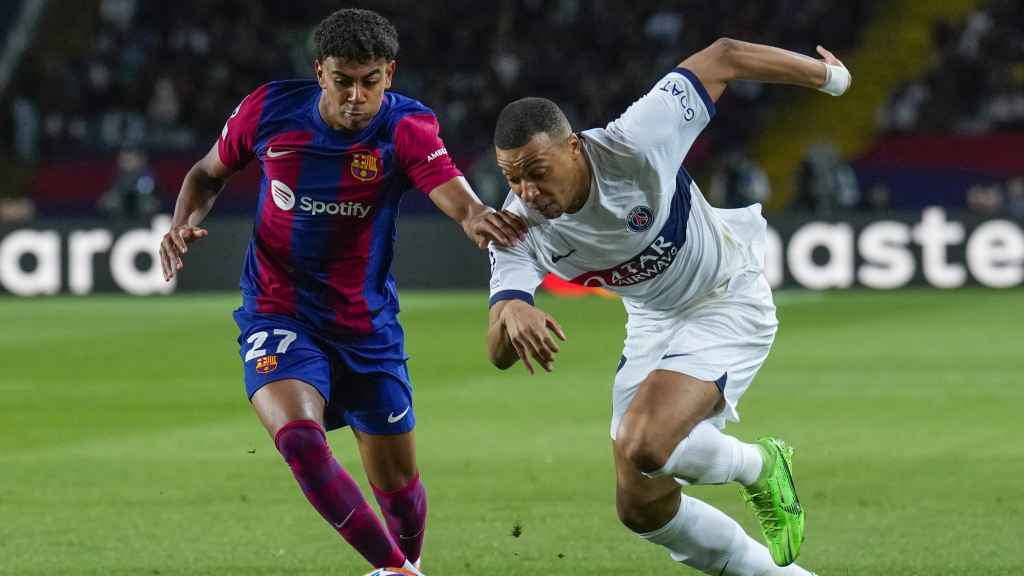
127 446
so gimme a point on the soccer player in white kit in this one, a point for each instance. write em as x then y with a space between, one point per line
613 208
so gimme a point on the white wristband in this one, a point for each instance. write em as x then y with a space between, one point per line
837 80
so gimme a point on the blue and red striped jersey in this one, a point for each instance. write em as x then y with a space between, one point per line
325 222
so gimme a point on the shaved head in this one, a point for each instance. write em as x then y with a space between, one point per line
523 119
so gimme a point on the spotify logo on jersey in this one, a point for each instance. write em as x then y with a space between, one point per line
284 198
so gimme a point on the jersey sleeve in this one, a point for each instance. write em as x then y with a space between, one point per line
422 152
667 119
515 273
238 137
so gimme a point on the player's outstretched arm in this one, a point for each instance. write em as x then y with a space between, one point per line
198 192
481 223
727 59
519 330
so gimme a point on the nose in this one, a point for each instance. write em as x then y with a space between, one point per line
527 191
355 94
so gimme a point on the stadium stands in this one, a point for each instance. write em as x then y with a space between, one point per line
164 76
974 83
8 14
952 133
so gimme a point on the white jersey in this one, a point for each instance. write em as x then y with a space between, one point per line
645 232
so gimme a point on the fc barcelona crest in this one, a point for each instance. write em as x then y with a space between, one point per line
365 166
266 364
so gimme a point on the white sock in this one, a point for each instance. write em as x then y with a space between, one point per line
706 456
704 538
414 568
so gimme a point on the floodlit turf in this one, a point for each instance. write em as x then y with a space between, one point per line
127 446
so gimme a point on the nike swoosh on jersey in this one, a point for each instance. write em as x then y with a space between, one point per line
556 257
392 418
279 153
667 356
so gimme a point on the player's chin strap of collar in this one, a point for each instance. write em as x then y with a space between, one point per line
837 80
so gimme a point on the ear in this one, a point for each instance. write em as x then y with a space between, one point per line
574 144
389 73
319 70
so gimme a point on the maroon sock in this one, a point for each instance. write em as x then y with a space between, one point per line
334 494
405 512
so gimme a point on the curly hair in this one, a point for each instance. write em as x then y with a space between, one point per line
355 35
519 121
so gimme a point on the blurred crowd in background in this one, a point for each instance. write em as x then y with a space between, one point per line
974 82
134 79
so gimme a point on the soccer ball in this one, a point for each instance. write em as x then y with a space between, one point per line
391 572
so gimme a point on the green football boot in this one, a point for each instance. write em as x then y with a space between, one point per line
773 499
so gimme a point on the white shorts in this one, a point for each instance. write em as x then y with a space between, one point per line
723 338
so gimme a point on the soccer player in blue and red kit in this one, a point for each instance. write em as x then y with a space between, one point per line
320 341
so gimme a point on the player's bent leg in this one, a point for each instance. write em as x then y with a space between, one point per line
390 463
666 407
695 533
665 433
293 412
643 503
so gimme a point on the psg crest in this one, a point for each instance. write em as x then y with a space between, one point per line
639 219
364 166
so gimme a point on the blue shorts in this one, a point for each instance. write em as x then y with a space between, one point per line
365 384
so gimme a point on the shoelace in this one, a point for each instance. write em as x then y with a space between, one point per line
761 503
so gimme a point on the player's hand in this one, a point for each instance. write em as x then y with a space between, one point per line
837 76
174 246
829 57
502 227
529 330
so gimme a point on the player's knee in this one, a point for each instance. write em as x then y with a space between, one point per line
644 456
302 441
640 445
395 479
